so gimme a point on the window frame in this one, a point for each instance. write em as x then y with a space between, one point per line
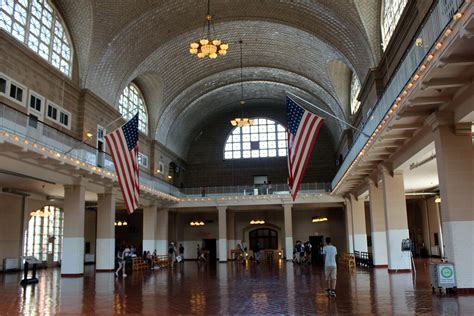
142 163
277 148
65 41
128 112
34 110
59 110
12 82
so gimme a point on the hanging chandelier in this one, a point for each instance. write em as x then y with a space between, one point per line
206 46
241 121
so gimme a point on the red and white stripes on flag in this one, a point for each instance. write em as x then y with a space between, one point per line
303 129
123 145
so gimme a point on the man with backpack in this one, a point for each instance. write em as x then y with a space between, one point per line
122 257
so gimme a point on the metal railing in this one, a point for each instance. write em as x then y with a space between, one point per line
35 131
433 26
278 188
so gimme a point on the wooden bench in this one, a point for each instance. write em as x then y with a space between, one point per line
364 258
138 264
161 261
347 260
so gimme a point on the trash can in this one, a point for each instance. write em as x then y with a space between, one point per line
443 276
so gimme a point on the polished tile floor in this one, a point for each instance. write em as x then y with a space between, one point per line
279 288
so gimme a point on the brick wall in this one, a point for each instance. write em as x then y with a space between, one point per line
206 165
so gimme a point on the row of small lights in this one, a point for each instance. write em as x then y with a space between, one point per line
400 98
197 223
120 223
257 222
250 197
78 163
319 219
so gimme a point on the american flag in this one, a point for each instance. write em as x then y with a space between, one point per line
303 128
123 144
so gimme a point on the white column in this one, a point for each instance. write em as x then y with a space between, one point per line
72 263
349 232
377 221
162 232
455 162
287 209
222 210
396 220
231 241
149 228
105 246
358 224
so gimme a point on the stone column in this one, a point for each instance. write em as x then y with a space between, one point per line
149 228
349 232
105 247
455 161
358 224
72 263
377 221
222 210
396 220
231 242
287 209
162 231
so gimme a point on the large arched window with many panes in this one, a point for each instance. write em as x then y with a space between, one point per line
391 12
265 138
38 25
355 89
130 102
43 237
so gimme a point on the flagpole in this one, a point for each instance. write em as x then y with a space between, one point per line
326 112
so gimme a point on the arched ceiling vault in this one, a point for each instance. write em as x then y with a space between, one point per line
147 42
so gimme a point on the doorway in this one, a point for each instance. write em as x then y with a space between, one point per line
317 243
210 245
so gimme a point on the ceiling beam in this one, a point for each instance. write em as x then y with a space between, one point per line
443 83
456 61
429 100
412 126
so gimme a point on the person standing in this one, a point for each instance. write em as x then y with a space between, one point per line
257 252
172 253
330 266
122 257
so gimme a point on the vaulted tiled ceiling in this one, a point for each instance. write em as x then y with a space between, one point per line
286 47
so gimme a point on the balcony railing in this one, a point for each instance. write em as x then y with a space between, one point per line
35 131
278 188
432 28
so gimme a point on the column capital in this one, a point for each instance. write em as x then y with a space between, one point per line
437 119
222 208
287 206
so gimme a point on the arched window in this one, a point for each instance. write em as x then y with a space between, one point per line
44 234
355 89
265 138
266 237
130 102
38 25
391 12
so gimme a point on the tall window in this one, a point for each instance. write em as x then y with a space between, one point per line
265 138
36 24
44 234
355 89
130 102
391 12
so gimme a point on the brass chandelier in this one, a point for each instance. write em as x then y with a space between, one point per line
206 46
241 121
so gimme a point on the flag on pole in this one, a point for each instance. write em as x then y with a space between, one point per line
303 129
123 144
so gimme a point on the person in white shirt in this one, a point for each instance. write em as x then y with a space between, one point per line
330 266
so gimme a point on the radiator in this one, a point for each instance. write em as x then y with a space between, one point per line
10 264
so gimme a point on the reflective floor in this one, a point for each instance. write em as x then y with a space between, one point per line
279 288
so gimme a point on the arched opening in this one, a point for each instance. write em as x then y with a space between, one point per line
266 237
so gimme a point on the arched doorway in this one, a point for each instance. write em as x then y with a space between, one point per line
266 237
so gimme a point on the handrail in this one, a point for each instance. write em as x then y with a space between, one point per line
433 26
17 122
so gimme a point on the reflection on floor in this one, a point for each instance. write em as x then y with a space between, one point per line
279 288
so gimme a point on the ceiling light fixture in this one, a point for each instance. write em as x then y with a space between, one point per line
257 222
206 46
241 121
120 223
317 219
197 223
